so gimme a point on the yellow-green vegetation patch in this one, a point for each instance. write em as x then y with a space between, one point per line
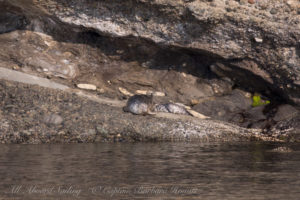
257 101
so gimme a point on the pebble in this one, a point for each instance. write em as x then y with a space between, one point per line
194 102
86 86
16 67
144 92
273 11
149 92
120 51
282 150
26 132
65 61
297 82
67 54
159 94
125 92
258 40
101 90
53 119
291 2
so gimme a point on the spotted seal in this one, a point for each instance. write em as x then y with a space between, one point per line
139 105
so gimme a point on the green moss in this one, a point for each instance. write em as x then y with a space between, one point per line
257 101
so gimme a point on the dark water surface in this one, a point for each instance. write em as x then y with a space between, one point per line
149 171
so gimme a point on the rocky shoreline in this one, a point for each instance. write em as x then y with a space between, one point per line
76 63
34 114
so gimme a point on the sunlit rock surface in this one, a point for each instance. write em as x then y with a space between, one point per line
199 53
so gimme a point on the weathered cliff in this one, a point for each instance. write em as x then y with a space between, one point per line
259 40
212 55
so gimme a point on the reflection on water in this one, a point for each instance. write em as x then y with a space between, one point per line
149 170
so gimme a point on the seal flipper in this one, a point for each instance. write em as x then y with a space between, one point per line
151 113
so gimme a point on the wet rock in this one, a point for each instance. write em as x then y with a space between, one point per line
53 119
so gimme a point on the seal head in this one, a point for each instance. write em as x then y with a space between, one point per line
139 105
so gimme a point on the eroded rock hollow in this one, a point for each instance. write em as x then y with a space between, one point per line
214 56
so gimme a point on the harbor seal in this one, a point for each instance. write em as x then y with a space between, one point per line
171 108
139 105
143 105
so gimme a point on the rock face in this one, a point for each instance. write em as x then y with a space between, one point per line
209 54
32 114
260 39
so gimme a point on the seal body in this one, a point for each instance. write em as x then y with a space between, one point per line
160 108
139 105
171 108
